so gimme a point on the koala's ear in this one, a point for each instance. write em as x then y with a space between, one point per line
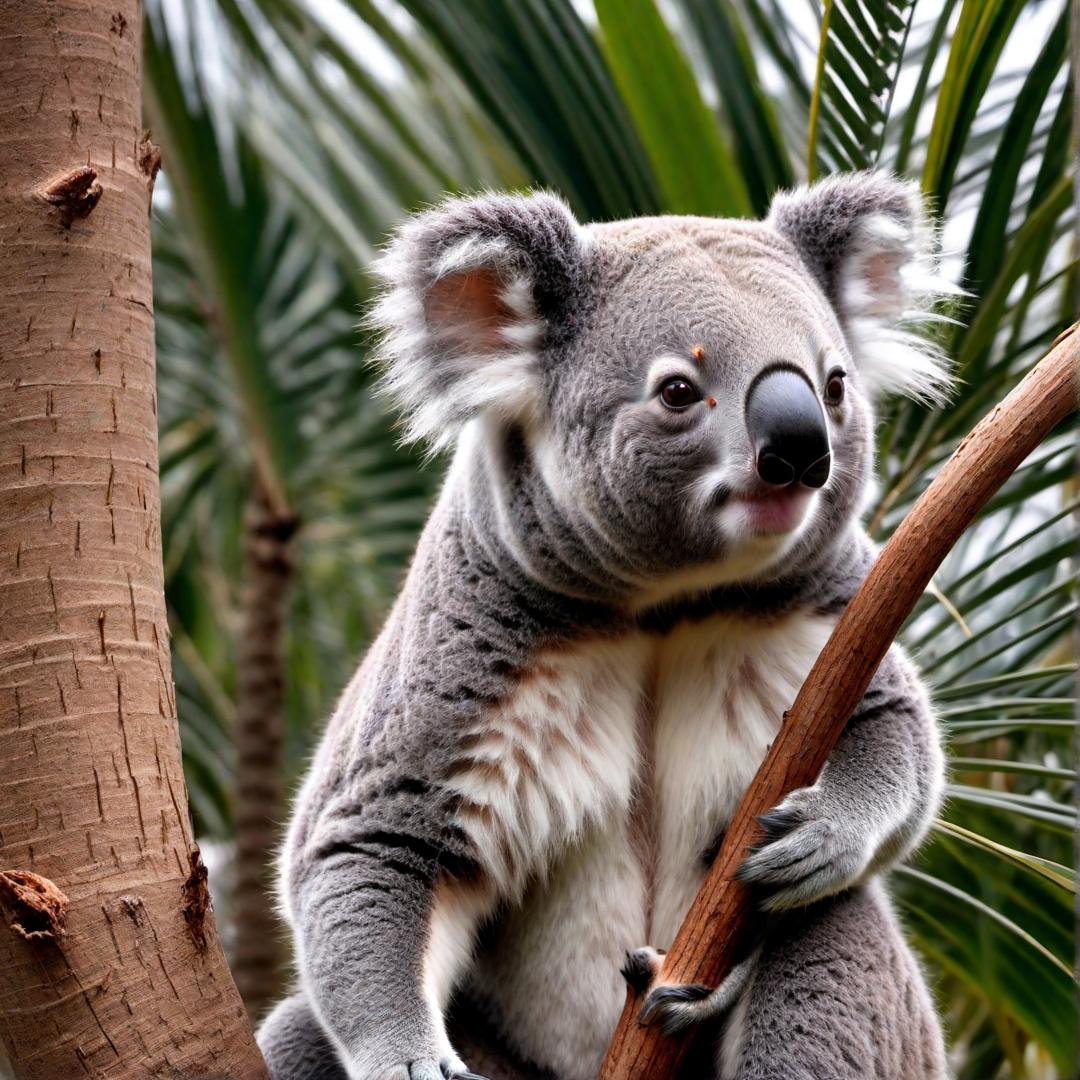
866 239
472 291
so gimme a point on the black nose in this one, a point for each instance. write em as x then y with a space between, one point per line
787 429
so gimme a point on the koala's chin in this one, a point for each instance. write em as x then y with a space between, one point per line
765 524
757 536
768 518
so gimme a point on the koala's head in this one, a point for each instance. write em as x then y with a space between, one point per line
694 395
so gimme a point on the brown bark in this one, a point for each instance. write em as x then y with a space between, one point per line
259 797
721 911
110 964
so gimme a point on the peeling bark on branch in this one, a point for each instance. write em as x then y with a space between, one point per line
101 971
708 938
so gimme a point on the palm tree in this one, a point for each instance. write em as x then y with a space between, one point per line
110 958
353 113
257 445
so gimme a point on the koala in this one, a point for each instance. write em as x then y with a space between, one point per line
663 438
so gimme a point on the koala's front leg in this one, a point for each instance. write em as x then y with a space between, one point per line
383 932
874 800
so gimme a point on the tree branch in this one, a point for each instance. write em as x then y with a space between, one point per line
705 945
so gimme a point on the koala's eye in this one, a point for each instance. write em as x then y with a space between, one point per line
678 394
834 386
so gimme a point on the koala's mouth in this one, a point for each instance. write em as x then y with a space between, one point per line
772 512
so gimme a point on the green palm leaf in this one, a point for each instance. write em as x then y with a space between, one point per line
726 51
858 62
695 169
982 30
566 122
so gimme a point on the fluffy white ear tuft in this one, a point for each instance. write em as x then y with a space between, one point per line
867 240
470 289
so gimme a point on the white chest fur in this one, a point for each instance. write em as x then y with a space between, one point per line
721 690
592 795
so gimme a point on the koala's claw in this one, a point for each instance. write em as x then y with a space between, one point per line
641 967
678 1006
672 1007
665 1004
806 855
779 821
447 1068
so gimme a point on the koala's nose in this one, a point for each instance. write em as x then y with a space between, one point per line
787 429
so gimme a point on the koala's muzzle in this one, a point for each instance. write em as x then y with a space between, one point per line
787 429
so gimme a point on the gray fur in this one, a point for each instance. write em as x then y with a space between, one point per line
578 510
825 223
816 843
836 993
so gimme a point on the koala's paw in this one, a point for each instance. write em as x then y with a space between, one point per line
677 1006
446 1068
808 853
642 967
674 1008
443 1067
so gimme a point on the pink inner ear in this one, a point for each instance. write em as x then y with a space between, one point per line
467 311
883 276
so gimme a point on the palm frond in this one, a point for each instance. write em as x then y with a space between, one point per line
859 59
695 169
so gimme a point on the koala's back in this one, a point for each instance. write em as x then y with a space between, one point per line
630 755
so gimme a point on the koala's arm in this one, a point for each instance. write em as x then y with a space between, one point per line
873 802
385 908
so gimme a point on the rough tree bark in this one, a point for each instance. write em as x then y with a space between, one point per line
109 960
259 802
721 912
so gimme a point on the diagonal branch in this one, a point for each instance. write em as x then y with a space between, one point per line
721 912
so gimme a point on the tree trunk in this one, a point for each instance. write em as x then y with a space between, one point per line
259 799
109 960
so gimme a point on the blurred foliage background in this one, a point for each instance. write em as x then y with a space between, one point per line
296 132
